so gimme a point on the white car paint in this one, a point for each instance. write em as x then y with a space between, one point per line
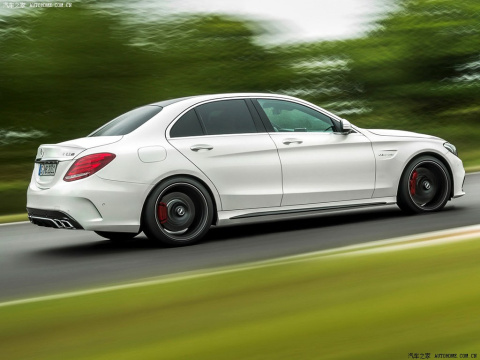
245 168
317 167
250 177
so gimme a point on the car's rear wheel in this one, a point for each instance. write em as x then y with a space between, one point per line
178 212
425 186
116 236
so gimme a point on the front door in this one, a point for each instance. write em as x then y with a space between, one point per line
318 165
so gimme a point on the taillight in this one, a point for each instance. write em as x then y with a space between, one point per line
88 165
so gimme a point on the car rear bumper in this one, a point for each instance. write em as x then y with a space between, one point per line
53 219
90 204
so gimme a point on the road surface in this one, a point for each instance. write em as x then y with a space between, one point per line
38 261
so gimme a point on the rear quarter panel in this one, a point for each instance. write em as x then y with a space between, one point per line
130 164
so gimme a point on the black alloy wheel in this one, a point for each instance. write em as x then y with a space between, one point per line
425 186
178 212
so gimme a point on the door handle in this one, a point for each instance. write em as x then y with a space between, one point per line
292 141
201 147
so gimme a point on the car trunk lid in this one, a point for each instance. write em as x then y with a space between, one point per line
53 160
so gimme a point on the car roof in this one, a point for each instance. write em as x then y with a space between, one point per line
215 96
185 102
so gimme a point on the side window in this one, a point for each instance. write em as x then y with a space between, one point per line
187 125
226 117
286 116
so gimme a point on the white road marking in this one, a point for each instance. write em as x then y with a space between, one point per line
16 223
395 244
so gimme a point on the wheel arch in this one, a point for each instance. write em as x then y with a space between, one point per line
191 177
436 156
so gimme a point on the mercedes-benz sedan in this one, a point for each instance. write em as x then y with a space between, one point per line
173 169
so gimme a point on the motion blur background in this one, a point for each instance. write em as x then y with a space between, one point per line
64 71
412 65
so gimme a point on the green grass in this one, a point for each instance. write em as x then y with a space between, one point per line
13 196
470 158
473 168
472 161
13 218
371 306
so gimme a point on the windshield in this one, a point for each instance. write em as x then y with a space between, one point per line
128 122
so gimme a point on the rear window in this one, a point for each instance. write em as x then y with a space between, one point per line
128 122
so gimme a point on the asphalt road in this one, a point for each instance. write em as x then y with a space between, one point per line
40 261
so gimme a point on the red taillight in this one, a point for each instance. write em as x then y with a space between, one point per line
88 165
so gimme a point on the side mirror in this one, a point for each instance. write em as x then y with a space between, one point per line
345 127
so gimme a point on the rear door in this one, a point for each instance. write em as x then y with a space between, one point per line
227 141
318 164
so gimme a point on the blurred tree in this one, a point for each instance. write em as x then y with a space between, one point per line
204 54
67 71
58 64
419 69
417 59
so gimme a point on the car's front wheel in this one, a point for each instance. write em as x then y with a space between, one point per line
178 212
425 186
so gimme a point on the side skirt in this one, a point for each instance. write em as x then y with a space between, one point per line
278 213
315 209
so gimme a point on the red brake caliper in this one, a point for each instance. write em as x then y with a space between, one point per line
413 182
162 213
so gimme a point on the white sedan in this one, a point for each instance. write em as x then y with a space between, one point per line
173 169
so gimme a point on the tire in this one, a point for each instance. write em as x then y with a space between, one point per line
178 212
425 186
116 236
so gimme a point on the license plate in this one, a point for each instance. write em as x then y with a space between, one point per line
47 169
